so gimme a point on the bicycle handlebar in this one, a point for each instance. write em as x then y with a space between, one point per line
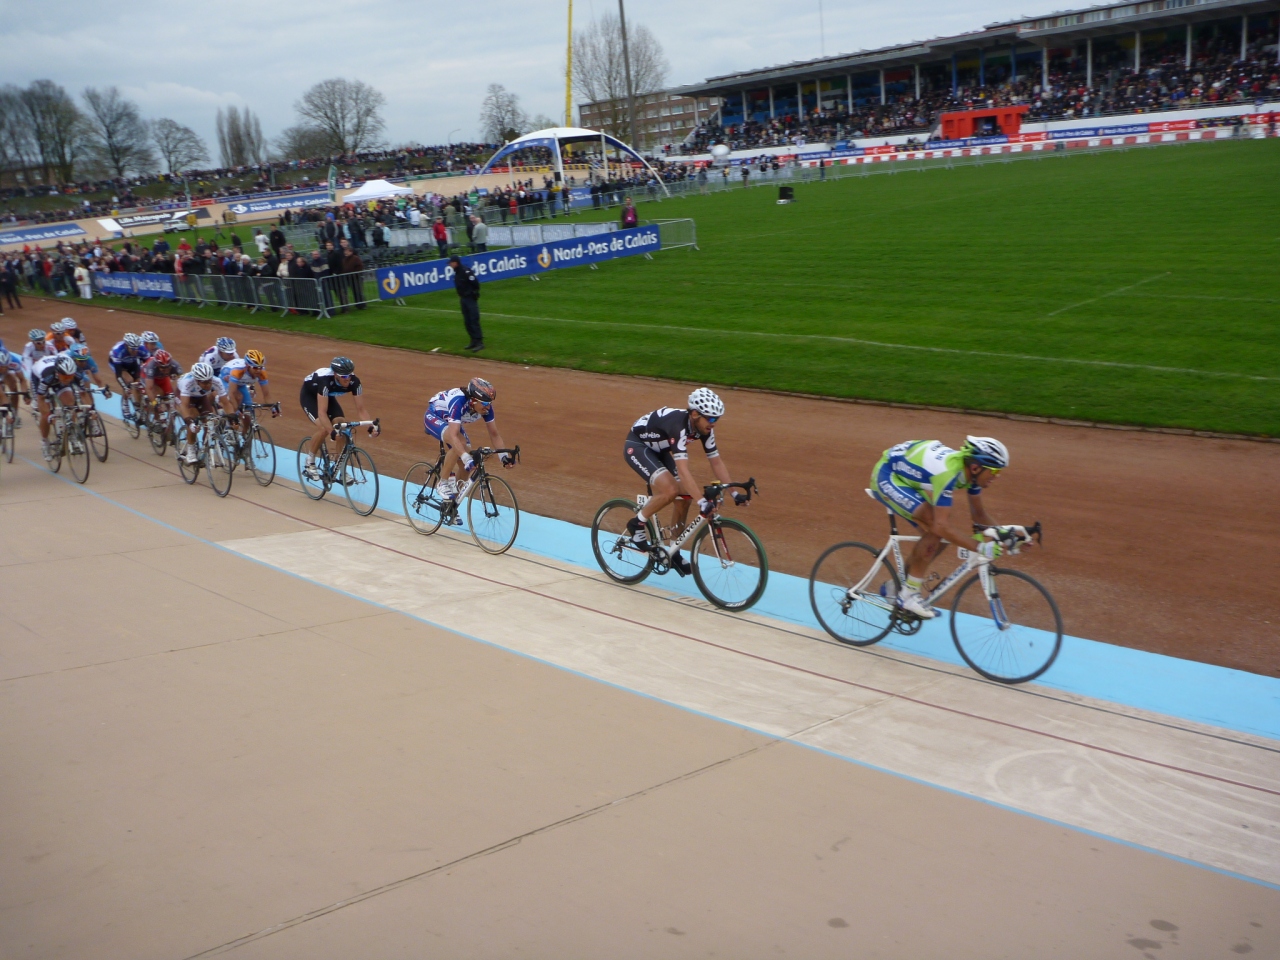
715 490
483 452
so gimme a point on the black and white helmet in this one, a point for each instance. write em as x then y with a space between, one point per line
202 371
987 451
705 401
67 365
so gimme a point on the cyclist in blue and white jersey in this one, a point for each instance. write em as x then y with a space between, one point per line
657 448
151 342
446 417
126 359
916 480
89 367
222 352
198 392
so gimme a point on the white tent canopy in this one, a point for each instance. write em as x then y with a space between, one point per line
377 190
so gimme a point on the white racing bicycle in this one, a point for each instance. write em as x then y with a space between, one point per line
1004 623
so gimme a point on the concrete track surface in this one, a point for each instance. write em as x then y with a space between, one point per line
262 727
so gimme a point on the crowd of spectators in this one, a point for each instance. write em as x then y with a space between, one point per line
1164 85
104 197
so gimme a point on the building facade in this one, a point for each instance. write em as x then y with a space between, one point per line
661 118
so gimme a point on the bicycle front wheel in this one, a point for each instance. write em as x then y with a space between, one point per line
220 463
260 454
612 545
729 564
130 416
77 452
360 481
423 507
315 489
96 431
1011 632
857 618
6 437
493 514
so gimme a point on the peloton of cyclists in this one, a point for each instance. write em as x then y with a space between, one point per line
327 384
446 417
916 480
657 449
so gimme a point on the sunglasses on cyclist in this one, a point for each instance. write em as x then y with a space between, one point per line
710 420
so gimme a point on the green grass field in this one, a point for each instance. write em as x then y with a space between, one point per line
1138 287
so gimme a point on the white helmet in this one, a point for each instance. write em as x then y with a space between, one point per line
57 326
706 402
132 340
67 365
987 451
202 371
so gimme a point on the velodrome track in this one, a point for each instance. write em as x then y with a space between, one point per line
314 735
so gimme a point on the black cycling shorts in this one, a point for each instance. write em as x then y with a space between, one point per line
646 461
311 405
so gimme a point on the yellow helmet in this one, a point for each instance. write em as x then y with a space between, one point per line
255 358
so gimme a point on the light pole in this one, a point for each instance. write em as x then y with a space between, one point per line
626 63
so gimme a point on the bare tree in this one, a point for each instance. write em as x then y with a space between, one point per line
302 141
540 122
58 128
180 147
17 146
599 70
347 111
117 136
240 140
501 117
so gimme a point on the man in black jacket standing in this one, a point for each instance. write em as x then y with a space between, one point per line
468 287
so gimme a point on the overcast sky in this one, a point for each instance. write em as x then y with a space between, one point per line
431 59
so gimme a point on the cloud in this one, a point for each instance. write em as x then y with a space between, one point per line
432 62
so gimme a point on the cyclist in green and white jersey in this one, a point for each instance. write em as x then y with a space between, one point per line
916 480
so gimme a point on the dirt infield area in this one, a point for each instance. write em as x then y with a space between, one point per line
1153 541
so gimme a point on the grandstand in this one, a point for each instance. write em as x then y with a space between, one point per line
1106 60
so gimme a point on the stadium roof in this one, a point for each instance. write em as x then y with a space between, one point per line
1045 30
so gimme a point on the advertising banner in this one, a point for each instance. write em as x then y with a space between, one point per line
285 202
155 285
405 280
58 231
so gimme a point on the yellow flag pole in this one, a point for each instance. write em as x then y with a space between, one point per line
568 73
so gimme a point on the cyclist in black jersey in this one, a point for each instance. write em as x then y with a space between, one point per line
319 399
657 444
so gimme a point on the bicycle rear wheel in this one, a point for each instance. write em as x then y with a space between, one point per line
260 454
96 431
6 436
493 515
315 489
1011 633
130 416
859 619
77 451
360 481
729 564
220 462
158 433
612 544
56 446
423 507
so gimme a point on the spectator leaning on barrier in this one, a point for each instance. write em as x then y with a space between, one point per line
468 287
479 235
441 234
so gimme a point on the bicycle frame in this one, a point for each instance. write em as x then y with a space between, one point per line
714 493
970 561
